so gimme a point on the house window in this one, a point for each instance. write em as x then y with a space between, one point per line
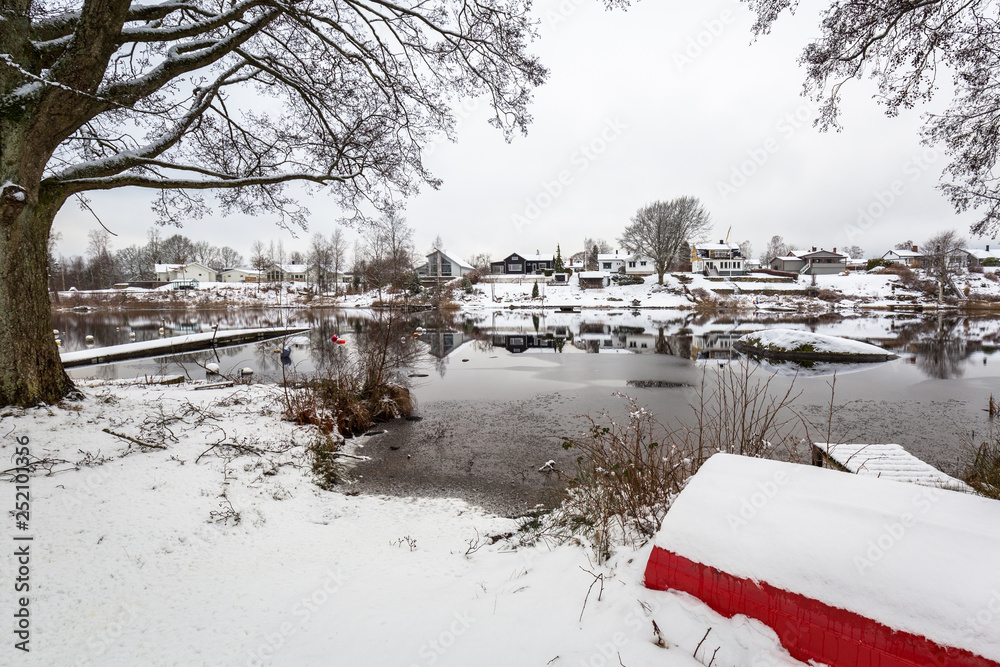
514 268
445 268
631 265
642 263
607 265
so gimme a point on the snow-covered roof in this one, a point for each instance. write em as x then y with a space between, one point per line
237 269
904 253
717 246
790 258
981 254
294 268
918 560
174 268
606 256
453 259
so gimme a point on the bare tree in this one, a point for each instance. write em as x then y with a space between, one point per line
904 245
854 252
661 230
901 45
259 258
228 259
481 261
593 248
746 249
776 247
942 258
102 94
204 252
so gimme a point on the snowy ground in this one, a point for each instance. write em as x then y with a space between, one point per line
149 556
858 289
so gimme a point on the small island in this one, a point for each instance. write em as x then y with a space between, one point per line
798 345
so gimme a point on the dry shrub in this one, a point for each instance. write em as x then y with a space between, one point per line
629 473
983 474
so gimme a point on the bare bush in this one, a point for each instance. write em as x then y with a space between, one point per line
628 473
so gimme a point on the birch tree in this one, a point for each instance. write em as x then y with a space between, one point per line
187 97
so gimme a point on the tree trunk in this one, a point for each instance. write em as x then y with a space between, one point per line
30 369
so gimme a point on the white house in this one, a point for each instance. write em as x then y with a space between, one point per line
911 258
639 265
976 256
717 259
612 262
443 265
239 276
190 271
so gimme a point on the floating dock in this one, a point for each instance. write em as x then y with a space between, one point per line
173 345
889 461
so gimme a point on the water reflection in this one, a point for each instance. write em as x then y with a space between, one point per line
941 347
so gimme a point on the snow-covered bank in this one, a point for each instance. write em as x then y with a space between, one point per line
681 291
200 555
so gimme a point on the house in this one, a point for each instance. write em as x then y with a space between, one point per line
190 271
523 264
296 273
977 257
639 265
594 279
718 259
442 265
811 262
911 258
239 276
612 262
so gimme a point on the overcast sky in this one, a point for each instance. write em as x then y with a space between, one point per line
664 100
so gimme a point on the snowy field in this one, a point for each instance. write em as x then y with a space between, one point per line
194 555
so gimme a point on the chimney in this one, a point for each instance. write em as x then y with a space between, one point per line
915 249
814 249
834 250
721 242
987 247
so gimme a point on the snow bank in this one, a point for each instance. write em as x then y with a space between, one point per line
916 559
182 556
791 340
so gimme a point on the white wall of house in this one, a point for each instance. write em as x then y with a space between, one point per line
190 271
639 265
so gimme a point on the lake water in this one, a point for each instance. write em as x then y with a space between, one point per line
497 391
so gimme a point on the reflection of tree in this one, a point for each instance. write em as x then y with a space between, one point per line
942 354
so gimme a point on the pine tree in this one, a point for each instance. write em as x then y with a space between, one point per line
559 266
534 291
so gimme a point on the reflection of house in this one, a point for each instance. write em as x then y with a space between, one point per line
443 343
911 258
521 264
811 262
520 342
190 271
442 265
717 259
594 279
715 345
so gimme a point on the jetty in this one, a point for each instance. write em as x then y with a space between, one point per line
885 461
174 345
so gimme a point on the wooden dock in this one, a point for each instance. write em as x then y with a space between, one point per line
887 461
174 345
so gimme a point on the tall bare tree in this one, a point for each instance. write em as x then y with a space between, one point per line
242 97
663 229
776 247
942 254
905 46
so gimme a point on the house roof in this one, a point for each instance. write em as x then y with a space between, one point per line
452 258
294 268
602 256
236 268
165 268
802 254
789 258
717 246
979 253
904 253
